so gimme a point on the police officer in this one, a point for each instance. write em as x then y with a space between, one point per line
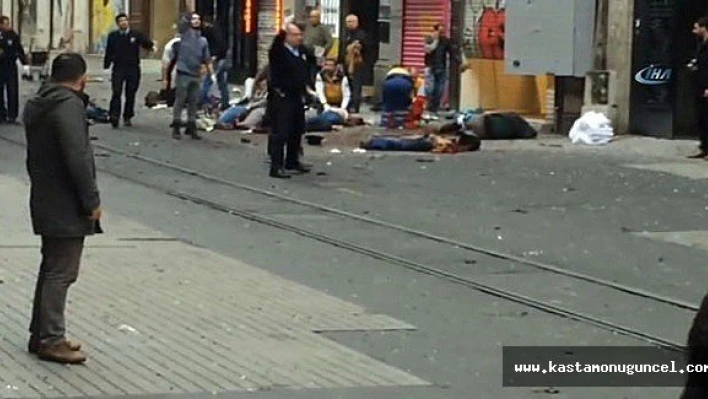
123 53
10 51
290 65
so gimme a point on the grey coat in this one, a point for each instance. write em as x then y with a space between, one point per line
60 163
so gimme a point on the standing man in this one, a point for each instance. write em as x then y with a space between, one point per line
700 29
123 53
64 200
290 65
318 39
437 49
10 52
193 55
218 47
355 47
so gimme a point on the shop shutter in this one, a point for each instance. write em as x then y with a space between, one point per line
267 29
419 16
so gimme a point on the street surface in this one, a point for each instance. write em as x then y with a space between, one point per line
224 283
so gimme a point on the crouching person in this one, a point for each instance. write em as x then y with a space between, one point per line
64 200
334 92
398 93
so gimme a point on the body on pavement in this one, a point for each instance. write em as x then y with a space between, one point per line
11 51
123 56
64 202
193 56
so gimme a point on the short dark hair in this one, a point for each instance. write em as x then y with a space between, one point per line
702 22
68 67
437 26
120 16
4 18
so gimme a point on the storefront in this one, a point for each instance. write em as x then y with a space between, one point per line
662 85
419 17
270 20
486 84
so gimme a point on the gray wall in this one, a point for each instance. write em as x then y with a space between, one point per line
389 53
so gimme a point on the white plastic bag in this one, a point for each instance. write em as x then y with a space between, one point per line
593 128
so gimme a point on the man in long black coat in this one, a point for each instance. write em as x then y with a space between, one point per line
288 87
64 202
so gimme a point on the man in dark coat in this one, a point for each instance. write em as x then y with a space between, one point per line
355 39
438 48
290 78
700 29
11 51
123 54
64 201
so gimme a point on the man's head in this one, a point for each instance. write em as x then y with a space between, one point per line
352 22
315 17
700 28
195 21
4 23
69 69
330 65
438 30
293 34
122 21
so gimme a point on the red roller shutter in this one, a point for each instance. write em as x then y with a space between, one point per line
419 16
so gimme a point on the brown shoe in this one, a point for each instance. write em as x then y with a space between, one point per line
34 345
61 353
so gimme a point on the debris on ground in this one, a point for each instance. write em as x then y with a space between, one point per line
127 328
335 151
245 140
593 128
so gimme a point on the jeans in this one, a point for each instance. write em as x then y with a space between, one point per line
59 270
9 83
187 96
232 115
222 76
128 78
438 81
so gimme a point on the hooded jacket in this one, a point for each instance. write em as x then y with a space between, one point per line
60 163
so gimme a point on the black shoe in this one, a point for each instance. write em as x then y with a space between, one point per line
115 123
192 131
127 122
176 133
279 174
299 168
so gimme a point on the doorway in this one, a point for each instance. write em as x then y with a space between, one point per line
368 13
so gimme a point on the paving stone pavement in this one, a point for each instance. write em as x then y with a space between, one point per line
162 316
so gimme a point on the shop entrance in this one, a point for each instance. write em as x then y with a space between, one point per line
662 84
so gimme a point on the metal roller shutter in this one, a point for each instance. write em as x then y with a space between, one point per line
419 16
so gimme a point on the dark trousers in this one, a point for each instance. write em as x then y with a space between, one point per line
128 79
356 83
58 271
287 118
438 81
702 122
9 85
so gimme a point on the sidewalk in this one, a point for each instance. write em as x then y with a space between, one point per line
159 316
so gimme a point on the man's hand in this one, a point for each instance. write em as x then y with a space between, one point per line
705 93
464 67
96 214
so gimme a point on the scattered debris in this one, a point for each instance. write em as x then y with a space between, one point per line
160 106
94 138
521 211
568 189
321 174
359 151
127 328
533 253
335 151
626 230
661 260
135 143
470 262
314 139
245 140
593 128
329 163
103 154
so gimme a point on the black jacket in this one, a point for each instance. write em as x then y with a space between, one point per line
289 75
217 44
702 73
123 50
437 59
60 163
11 49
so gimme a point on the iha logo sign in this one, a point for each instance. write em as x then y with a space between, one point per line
654 75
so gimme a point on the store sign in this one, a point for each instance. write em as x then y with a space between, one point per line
654 75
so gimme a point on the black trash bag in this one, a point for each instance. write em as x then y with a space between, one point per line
507 126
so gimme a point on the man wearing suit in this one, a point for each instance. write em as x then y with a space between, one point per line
290 65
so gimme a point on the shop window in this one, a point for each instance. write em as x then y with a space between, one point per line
385 21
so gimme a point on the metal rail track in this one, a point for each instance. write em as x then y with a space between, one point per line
429 270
